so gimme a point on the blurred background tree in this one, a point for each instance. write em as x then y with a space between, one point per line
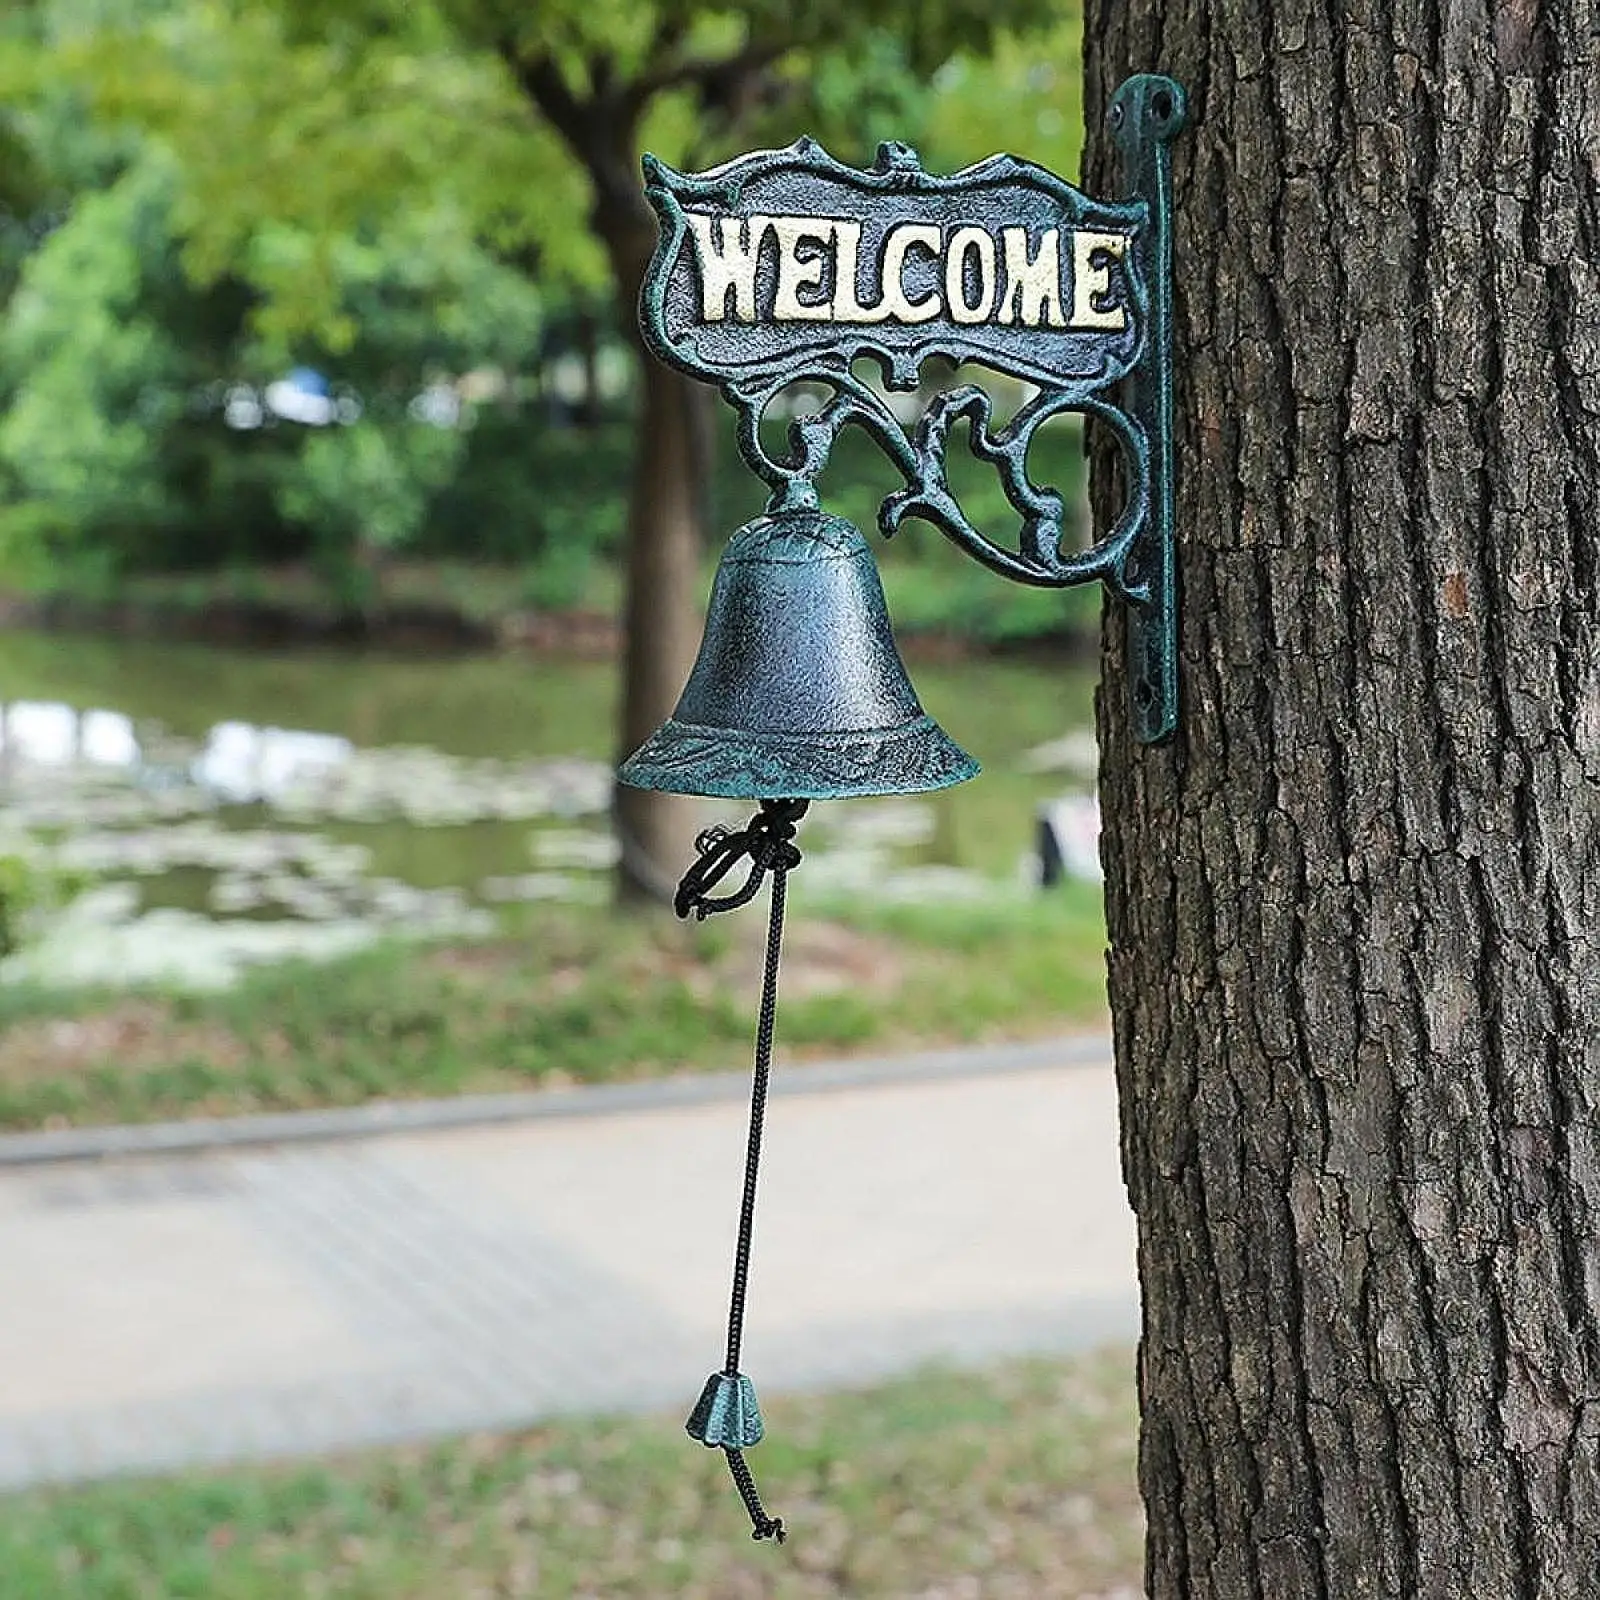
219 193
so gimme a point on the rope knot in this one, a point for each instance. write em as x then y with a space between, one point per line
770 850
767 840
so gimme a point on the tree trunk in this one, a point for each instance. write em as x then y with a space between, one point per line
1354 905
662 599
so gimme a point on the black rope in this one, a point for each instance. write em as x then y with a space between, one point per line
768 840
769 843
764 1527
758 1111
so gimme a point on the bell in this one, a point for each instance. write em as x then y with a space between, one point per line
798 691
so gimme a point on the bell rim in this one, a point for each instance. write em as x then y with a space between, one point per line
668 762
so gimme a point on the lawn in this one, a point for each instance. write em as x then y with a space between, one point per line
1017 1483
562 995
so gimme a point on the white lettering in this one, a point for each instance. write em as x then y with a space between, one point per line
1033 287
1090 282
730 267
966 242
846 307
900 240
795 274
983 278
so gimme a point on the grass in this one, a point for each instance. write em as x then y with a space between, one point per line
1011 1483
562 996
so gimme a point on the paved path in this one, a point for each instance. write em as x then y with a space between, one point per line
176 1309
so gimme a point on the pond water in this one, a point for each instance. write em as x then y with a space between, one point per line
221 806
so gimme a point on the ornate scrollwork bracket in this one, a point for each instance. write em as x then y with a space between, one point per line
785 267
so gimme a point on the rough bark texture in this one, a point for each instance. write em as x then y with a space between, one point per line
1355 904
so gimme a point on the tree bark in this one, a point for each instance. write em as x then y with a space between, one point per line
1354 905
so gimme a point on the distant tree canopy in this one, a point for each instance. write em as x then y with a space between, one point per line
328 119
296 131
362 189
117 363
118 441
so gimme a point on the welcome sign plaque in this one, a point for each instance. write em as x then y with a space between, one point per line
787 266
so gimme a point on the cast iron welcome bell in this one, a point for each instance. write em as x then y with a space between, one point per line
799 690
785 266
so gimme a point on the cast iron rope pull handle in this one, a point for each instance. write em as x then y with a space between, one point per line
768 840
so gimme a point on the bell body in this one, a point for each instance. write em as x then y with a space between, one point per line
798 692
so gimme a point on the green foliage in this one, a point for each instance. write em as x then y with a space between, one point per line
381 190
28 891
330 135
113 363
1014 87
328 119
17 890
365 489
1025 95
22 182
87 371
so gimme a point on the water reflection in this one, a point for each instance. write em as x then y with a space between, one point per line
49 734
242 763
239 763
184 885
415 797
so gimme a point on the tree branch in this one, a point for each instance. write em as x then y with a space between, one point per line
669 34
705 72
599 129
541 81
600 126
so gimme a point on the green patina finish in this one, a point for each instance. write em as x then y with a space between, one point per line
784 267
726 1416
798 690
1148 112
